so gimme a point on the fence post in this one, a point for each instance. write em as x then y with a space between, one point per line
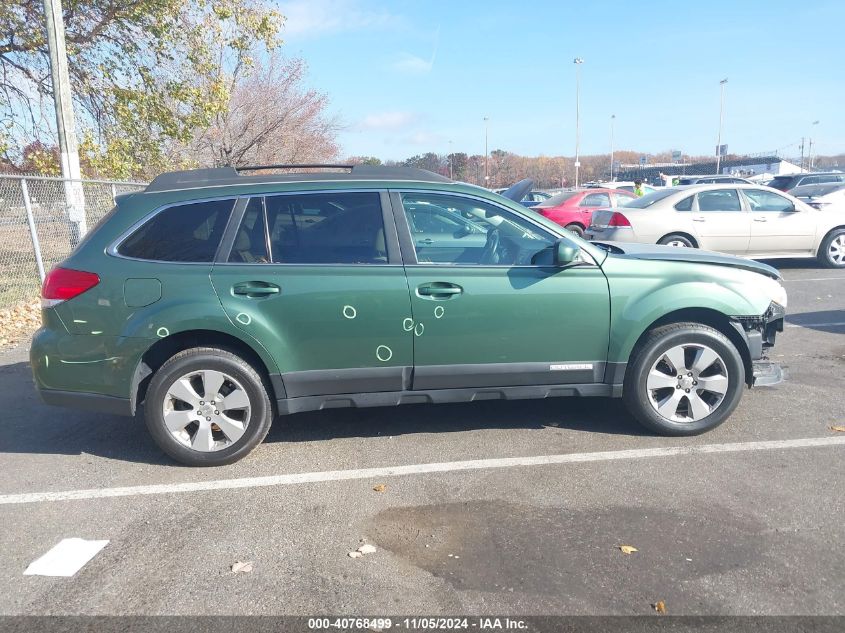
36 245
113 194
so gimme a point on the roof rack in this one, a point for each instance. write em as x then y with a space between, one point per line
224 176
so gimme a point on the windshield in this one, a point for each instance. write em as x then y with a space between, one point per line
558 199
650 198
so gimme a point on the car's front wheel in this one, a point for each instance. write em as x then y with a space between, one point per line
683 379
832 250
575 228
207 407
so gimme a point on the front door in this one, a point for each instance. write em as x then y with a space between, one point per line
776 225
498 314
317 279
719 221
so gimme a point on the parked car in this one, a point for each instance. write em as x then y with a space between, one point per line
788 182
712 179
746 220
213 301
573 210
532 198
624 185
827 197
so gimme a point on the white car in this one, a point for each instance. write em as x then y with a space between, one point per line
746 220
625 185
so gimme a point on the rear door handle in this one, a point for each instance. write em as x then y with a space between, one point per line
760 220
439 290
425 242
255 289
698 219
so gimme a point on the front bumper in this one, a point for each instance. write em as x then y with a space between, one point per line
760 334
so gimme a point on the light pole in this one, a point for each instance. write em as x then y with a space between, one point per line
612 120
721 118
810 155
450 160
486 172
577 61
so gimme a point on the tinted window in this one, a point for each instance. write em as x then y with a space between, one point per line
760 200
596 200
326 228
781 182
719 200
685 204
250 244
467 231
182 233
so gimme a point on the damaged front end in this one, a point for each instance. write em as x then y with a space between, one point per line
760 333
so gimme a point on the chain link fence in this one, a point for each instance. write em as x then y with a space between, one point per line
37 230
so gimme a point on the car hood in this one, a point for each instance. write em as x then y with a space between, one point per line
692 255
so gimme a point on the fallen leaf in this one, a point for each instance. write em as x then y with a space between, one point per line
241 567
355 554
380 487
659 606
367 549
627 549
838 428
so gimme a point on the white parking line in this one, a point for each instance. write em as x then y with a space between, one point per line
831 324
66 558
817 279
415 469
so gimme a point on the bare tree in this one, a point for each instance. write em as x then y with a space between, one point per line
271 118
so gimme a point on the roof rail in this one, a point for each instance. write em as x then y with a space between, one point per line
301 166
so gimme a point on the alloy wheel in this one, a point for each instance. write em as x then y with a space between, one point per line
206 410
687 383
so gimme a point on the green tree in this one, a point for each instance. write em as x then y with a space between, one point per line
144 73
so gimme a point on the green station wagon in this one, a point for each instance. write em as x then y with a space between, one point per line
214 301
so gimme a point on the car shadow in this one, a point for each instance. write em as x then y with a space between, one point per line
796 263
32 427
821 320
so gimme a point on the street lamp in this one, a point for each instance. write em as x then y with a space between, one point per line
450 160
810 156
577 61
612 120
486 172
721 117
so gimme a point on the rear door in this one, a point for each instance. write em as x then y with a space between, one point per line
777 226
720 221
504 316
316 278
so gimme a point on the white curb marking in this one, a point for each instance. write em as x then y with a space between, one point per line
66 558
415 469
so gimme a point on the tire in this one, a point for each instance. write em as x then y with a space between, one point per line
832 250
176 404
575 228
677 240
643 393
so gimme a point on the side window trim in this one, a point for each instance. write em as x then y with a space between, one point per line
112 249
225 248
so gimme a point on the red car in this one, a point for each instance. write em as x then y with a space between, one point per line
574 209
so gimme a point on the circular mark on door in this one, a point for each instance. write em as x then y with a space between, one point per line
243 318
349 312
438 312
419 329
162 332
384 353
408 324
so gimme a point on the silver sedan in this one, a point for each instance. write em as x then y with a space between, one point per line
746 220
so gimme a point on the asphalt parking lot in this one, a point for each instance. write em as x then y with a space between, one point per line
744 520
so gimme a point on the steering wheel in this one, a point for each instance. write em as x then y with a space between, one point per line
490 255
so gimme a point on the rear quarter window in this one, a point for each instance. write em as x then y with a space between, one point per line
181 233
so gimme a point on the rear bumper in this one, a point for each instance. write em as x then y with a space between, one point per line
86 401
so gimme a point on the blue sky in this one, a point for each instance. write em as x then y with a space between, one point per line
407 77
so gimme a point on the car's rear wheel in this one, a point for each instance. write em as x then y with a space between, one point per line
683 379
575 228
681 241
207 407
832 250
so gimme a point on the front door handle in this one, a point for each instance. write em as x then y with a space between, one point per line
255 289
425 242
760 220
439 290
698 219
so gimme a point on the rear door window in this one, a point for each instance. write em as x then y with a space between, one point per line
181 233
685 204
719 200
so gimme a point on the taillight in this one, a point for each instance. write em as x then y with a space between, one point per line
62 284
617 219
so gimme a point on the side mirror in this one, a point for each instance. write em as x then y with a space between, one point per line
564 253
